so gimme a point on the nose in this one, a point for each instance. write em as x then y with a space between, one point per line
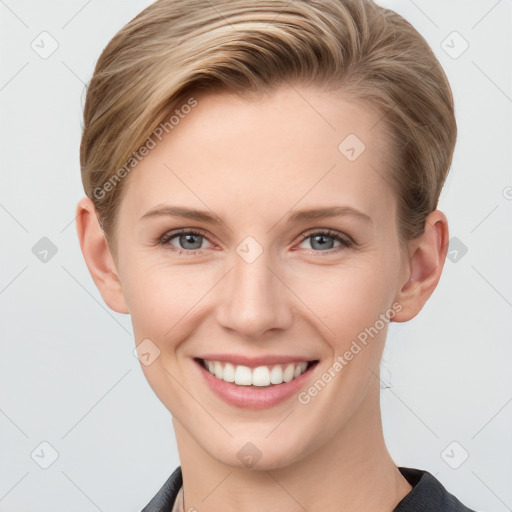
254 299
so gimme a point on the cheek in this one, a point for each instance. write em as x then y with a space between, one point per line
346 298
164 306
165 299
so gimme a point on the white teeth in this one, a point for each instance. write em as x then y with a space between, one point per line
300 369
276 375
229 373
289 373
243 376
260 376
217 368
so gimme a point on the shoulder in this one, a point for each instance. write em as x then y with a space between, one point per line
164 499
427 494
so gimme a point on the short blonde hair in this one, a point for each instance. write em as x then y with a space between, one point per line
173 47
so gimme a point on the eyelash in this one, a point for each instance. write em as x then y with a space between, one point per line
345 241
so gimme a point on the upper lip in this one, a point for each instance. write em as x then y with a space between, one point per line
254 362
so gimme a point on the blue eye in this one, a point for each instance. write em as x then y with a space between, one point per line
188 240
319 240
191 241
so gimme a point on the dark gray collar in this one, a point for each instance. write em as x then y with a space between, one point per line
427 494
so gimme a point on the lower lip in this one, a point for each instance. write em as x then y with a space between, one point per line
254 397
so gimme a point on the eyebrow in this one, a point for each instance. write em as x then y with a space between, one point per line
297 216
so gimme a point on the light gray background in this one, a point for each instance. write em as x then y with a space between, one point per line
68 373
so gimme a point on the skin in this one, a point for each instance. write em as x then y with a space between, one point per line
252 163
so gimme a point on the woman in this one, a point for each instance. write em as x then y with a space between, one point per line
262 181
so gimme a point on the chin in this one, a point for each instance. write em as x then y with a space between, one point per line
258 452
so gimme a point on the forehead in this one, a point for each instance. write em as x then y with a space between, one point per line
300 146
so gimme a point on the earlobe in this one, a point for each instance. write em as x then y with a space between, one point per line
427 255
98 257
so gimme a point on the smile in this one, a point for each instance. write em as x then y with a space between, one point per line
260 376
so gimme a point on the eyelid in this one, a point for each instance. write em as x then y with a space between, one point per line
173 232
329 232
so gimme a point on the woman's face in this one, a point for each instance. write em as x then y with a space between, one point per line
263 284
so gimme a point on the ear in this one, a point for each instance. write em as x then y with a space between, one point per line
98 257
423 266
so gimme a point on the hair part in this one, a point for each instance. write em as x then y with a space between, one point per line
367 53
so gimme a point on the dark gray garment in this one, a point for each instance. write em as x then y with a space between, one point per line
427 494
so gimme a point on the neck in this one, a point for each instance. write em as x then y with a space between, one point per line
352 472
